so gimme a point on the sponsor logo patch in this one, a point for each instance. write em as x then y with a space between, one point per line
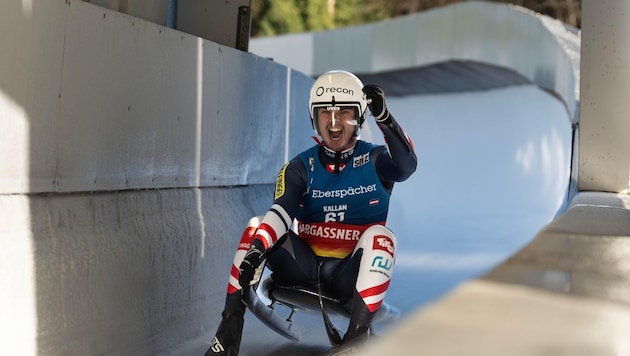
280 183
331 167
342 193
381 262
361 160
329 232
216 346
321 90
382 242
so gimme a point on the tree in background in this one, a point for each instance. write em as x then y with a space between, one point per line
270 18
275 17
567 11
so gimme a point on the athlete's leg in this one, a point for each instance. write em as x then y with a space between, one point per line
339 277
227 340
292 262
378 246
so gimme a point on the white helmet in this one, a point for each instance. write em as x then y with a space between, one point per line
338 88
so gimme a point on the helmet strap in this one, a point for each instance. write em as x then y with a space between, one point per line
318 141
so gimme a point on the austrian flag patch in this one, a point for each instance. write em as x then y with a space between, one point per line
374 202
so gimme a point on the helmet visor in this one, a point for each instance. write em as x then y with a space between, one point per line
337 115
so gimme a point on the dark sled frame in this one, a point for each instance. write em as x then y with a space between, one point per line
262 298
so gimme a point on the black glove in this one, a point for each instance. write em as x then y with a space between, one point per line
377 106
252 260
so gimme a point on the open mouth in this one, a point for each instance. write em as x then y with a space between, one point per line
335 133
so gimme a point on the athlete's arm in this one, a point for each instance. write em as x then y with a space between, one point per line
291 185
398 161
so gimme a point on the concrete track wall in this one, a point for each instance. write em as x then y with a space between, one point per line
604 145
119 273
99 100
131 158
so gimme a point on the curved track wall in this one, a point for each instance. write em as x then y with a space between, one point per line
132 155
540 48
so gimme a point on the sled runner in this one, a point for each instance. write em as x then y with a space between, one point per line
263 297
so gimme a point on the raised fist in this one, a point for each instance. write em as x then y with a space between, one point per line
376 103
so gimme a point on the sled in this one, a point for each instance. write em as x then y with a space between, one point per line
263 297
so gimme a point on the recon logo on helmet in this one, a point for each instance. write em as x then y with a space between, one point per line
321 90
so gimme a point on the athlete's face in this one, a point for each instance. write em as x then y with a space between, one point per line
337 126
